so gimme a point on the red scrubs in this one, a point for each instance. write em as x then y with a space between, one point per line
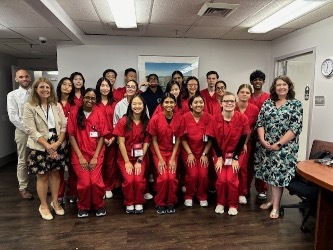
118 94
259 100
196 177
251 113
227 135
209 100
78 101
134 186
90 185
260 185
110 171
167 182
72 179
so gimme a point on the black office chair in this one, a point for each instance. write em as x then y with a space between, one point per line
305 190
308 193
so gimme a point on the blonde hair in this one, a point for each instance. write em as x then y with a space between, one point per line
34 97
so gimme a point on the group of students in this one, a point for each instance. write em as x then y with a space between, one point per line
110 137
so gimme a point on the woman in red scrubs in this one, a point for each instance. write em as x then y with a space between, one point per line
229 131
106 105
133 145
195 151
251 111
165 129
65 96
86 129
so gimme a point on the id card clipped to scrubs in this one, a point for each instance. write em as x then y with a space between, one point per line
93 133
137 150
204 138
228 159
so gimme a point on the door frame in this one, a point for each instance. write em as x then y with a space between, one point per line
312 85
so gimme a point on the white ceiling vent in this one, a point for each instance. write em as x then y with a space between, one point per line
217 9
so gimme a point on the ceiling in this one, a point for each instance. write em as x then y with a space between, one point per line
22 22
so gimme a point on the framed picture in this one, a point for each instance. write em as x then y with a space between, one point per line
163 66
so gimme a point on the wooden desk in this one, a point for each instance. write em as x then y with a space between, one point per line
322 176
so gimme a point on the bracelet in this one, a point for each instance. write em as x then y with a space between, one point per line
190 153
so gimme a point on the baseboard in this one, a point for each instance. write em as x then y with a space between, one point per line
8 158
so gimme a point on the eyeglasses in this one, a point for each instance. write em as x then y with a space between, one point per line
93 99
130 86
220 88
229 101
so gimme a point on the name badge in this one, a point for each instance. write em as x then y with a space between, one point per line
228 159
137 150
93 134
173 140
204 138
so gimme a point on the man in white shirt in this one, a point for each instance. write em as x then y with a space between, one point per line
15 104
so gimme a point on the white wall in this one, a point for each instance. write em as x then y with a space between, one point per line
233 60
319 36
7 144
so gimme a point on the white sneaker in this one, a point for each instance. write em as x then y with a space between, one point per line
108 194
219 209
242 199
151 178
232 211
148 196
188 203
204 203
183 189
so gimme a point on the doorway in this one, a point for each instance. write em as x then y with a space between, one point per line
300 69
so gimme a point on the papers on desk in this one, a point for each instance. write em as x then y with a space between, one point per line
325 161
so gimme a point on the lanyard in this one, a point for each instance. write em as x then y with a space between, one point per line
46 113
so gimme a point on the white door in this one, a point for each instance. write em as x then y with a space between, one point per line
300 70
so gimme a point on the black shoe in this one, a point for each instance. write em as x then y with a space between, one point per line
171 209
82 214
100 212
161 210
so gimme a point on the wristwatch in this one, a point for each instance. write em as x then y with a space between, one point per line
139 160
236 157
279 144
204 154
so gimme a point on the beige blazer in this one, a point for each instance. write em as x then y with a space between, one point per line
35 123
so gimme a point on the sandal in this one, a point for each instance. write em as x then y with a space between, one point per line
266 205
274 214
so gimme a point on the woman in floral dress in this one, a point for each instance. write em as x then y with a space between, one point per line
279 125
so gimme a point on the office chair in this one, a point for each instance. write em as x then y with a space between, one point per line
305 190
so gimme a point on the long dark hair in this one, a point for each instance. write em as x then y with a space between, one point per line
291 91
168 89
98 90
143 117
71 94
81 118
186 94
84 80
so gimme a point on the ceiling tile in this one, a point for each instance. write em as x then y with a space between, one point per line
79 10
17 13
166 30
7 33
238 34
207 32
90 28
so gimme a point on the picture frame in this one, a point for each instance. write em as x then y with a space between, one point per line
163 66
